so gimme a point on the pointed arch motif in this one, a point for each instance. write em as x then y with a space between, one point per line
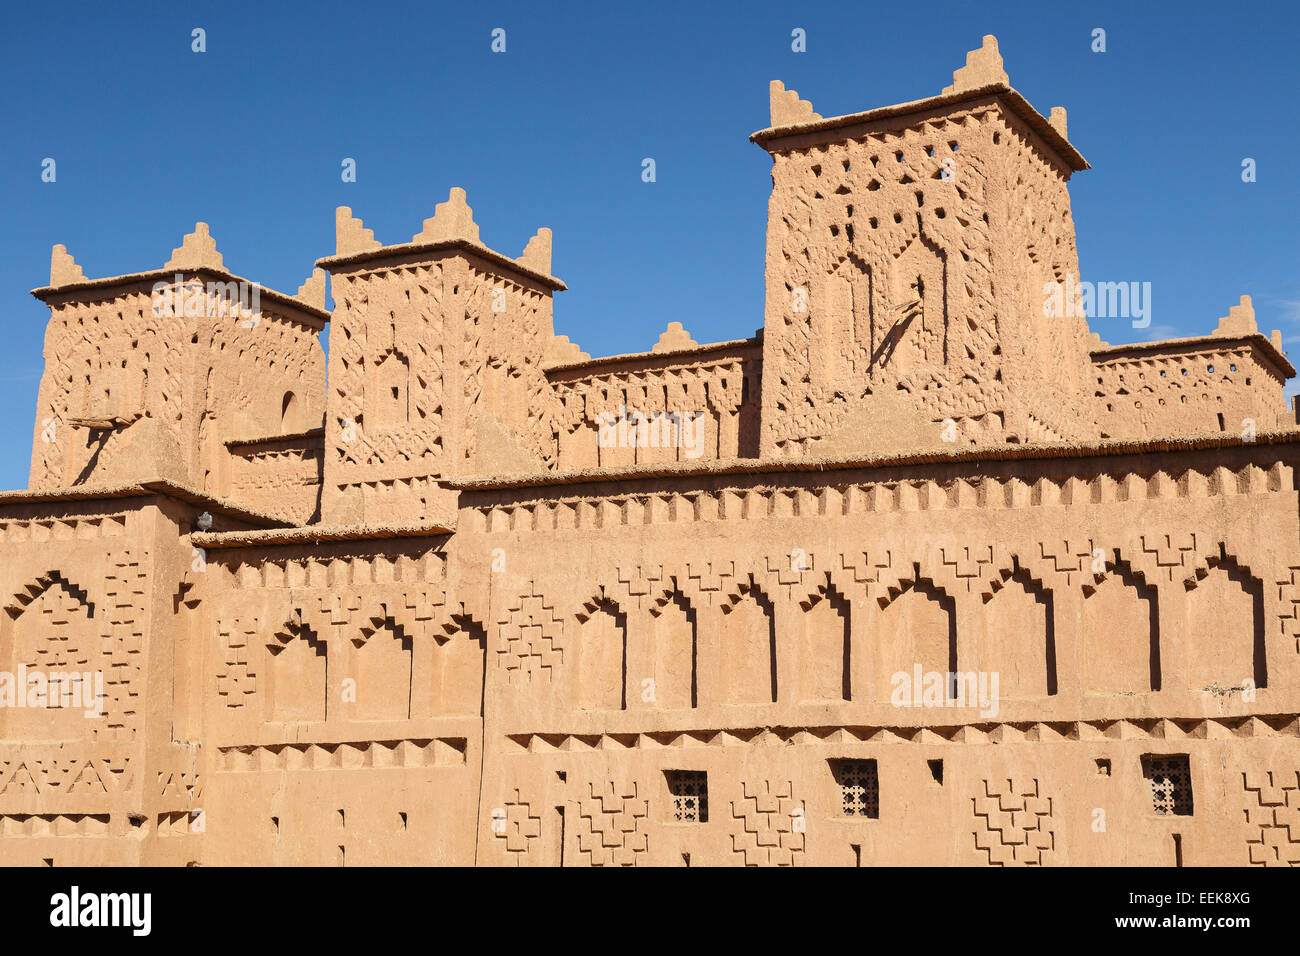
458 668
601 648
24 596
1225 617
389 392
383 668
913 331
58 647
1019 639
748 646
916 627
672 650
298 675
1120 649
826 663
841 325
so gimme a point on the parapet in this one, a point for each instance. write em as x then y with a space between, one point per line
983 75
197 254
451 227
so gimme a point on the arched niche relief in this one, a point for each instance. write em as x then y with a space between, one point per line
504 392
912 331
48 632
388 392
1042 326
1019 639
297 676
840 334
826 663
382 669
916 627
747 648
1120 620
669 655
290 414
456 668
1225 627
601 648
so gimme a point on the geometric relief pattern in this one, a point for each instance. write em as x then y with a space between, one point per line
235 681
1013 824
769 825
71 775
124 589
521 827
118 616
612 825
1273 817
1289 592
530 641
53 824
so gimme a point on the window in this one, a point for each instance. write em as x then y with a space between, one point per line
689 790
1169 778
859 787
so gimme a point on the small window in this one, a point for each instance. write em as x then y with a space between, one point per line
1169 780
689 790
859 787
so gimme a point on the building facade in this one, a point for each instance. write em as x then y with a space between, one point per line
921 572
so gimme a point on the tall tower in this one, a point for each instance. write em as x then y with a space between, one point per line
908 248
435 366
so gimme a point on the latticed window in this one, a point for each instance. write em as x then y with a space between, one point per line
1169 778
859 787
690 795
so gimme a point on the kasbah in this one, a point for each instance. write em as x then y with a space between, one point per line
434 614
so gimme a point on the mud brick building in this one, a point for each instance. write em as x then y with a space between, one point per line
421 602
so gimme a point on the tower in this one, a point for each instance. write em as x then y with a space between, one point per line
435 366
149 375
908 250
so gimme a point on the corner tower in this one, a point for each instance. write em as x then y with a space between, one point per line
149 375
907 252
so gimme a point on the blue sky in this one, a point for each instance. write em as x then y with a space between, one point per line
150 137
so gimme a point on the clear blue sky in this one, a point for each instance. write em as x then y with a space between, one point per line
150 137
